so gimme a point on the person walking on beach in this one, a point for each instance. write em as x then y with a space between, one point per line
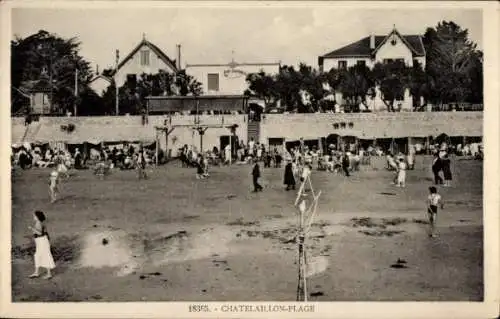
446 170
433 201
289 179
401 179
256 175
141 165
43 256
436 168
53 186
346 162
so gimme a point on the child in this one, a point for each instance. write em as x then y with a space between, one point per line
53 186
433 201
43 256
401 180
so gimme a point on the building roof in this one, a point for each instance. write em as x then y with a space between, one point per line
100 76
234 64
35 86
361 48
162 56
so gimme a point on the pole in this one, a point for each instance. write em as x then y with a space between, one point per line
76 91
231 147
50 80
156 149
116 83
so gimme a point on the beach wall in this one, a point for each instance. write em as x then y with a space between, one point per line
288 126
370 125
127 128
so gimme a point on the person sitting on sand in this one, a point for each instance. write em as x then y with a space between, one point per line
43 256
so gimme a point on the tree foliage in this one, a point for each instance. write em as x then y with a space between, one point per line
133 93
47 56
454 64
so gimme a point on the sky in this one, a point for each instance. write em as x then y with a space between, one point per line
215 35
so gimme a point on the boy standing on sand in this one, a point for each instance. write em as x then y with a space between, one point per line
433 201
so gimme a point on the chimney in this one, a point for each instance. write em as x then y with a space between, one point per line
97 69
179 65
372 42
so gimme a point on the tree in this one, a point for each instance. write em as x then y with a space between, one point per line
263 86
418 83
187 84
454 64
311 82
46 55
290 86
392 80
354 84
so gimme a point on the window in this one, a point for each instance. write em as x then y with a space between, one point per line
213 81
400 60
145 57
342 65
386 61
361 63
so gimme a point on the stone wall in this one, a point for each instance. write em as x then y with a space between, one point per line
127 128
369 125
288 126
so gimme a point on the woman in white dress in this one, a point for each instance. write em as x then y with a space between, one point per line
401 182
53 186
43 255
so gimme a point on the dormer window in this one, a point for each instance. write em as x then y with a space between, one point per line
145 57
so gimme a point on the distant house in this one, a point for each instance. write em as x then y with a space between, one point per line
39 95
227 79
100 83
144 58
376 48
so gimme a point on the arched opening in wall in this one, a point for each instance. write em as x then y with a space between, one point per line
332 140
384 144
350 143
443 138
309 143
400 145
225 140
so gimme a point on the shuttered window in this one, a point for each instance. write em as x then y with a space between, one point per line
213 81
145 57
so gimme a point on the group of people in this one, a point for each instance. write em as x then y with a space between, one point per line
299 164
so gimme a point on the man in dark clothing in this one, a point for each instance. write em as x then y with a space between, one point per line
345 164
289 178
436 168
256 175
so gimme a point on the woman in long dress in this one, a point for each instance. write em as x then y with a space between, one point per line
53 186
43 255
446 163
289 179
